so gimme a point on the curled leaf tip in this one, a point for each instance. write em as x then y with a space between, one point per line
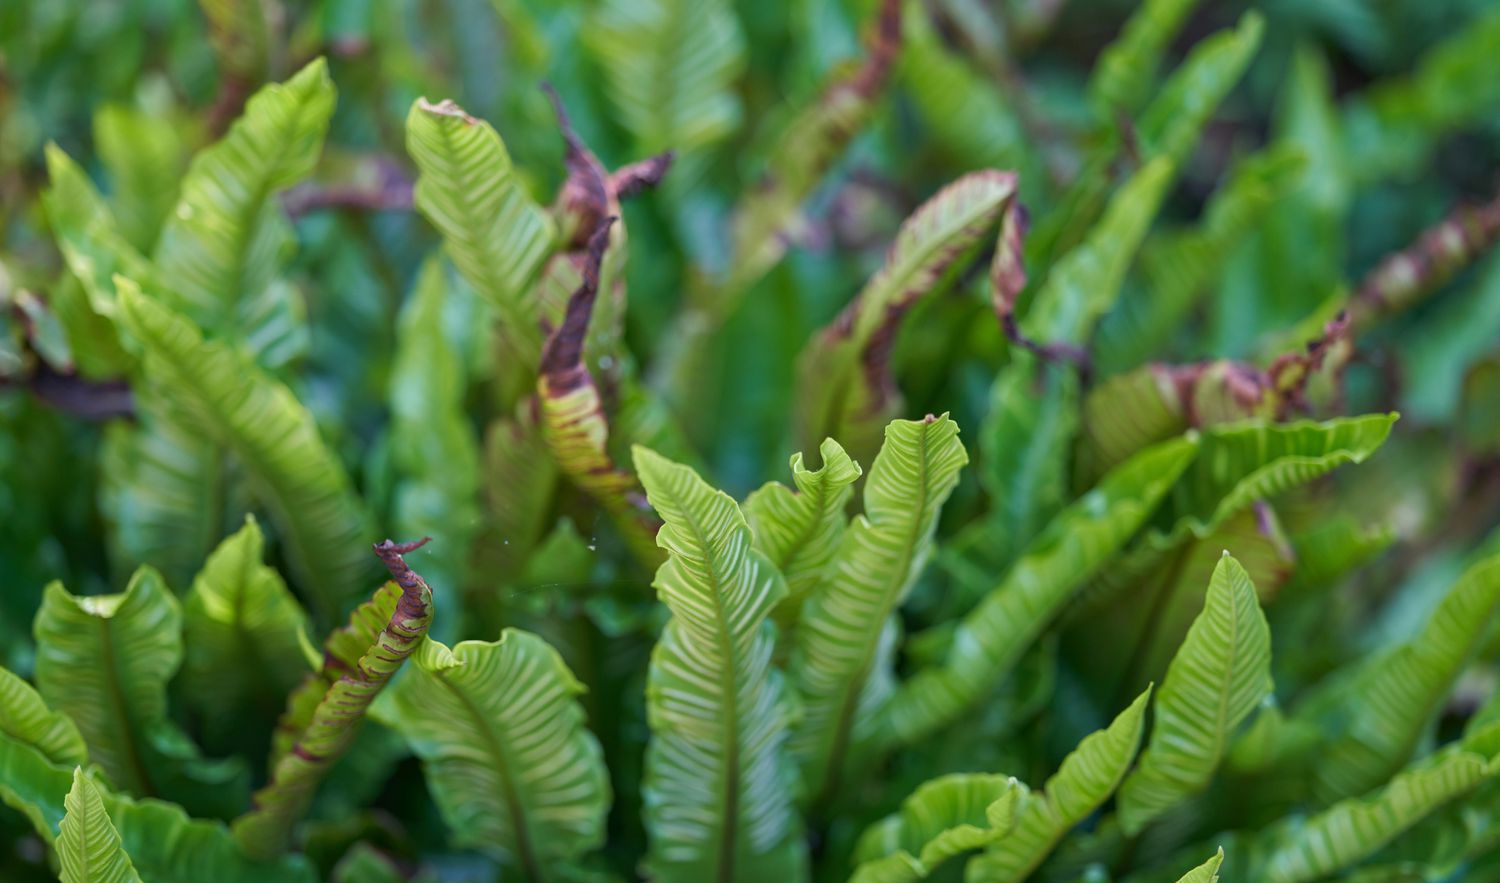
629 180
447 108
562 355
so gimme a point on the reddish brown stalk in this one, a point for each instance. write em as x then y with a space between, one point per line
562 355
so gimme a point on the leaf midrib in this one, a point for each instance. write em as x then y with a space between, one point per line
849 702
494 745
120 709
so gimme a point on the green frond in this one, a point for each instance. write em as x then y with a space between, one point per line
989 641
325 714
240 628
669 68
841 662
715 787
1125 71
507 757
1219 676
800 531
1085 780
491 229
88 846
292 471
942 819
1380 716
1208 872
224 242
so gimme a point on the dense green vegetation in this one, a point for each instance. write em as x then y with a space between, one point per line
1138 367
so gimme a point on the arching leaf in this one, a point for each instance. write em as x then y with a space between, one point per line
241 627
1208 872
1379 716
25 717
1218 677
325 714
88 846
491 229
145 157
223 244
800 531
1125 71
944 818
992 638
841 663
272 435
716 798
1304 850
506 754
840 394
1086 779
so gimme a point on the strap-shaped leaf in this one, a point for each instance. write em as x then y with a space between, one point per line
241 627
1383 713
669 67
165 845
145 156
491 229
25 717
507 757
519 477
434 451
717 803
990 640
265 832
1033 405
934 243
1305 850
1208 872
1219 676
1085 780
1125 72
167 491
88 846
225 240
943 818
86 232
104 660
293 472
1180 265
841 663
799 531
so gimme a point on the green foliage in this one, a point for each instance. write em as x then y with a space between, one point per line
507 756
1173 268
88 846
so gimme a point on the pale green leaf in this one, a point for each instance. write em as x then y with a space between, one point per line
507 757
325 714
145 155
1125 71
292 471
88 846
491 229
1219 676
943 818
1208 872
841 662
25 717
799 531
1085 780
990 640
241 627
717 803
1380 715
227 237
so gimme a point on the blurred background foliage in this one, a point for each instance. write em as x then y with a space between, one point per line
1355 127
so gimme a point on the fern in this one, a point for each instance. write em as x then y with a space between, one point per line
88 846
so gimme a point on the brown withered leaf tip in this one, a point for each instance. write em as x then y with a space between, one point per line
631 179
446 108
390 554
562 354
